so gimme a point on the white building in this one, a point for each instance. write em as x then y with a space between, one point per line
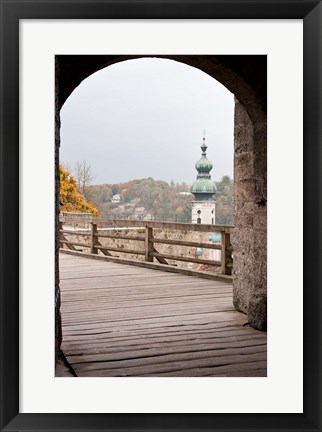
116 198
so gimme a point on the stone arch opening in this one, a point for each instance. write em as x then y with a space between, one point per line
245 77
148 114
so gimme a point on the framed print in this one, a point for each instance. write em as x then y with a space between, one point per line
47 49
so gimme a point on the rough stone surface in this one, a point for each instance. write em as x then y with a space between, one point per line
257 310
249 271
243 208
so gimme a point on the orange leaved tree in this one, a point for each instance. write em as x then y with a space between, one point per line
70 199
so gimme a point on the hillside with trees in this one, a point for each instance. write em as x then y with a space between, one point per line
225 201
151 199
143 199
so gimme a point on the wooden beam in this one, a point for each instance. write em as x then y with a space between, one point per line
186 259
93 238
83 233
102 249
130 251
134 238
70 244
186 243
166 225
226 258
148 244
159 258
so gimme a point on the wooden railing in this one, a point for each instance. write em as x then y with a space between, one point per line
149 250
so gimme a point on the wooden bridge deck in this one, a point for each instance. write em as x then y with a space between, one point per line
122 320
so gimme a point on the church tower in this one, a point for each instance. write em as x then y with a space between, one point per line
203 206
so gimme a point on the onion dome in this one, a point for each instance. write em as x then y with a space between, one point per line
203 165
203 188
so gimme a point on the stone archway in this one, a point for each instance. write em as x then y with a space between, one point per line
245 76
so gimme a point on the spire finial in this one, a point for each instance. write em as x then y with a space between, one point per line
204 147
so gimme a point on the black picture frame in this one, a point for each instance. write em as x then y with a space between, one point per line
11 12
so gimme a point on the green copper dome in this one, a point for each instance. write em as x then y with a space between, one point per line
203 165
203 188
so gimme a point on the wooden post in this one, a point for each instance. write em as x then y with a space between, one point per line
226 258
93 238
148 244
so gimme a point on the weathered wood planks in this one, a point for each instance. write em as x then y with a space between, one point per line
121 320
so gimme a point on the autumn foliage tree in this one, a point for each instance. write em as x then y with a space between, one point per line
70 199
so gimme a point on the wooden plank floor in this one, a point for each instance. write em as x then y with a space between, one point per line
122 320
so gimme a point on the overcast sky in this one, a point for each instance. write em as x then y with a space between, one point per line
145 118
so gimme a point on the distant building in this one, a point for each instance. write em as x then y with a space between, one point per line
116 198
203 206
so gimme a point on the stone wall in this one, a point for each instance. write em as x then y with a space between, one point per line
249 270
257 306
